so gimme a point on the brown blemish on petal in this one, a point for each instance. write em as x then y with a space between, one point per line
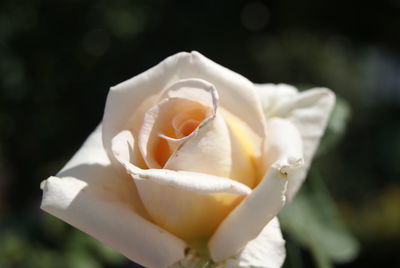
283 174
292 164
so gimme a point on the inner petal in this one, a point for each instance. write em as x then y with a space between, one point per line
181 109
162 151
186 122
166 126
182 124
187 127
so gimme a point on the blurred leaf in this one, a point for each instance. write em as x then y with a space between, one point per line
82 260
16 250
53 227
84 249
337 125
312 219
293 254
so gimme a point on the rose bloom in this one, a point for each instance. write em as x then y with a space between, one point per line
190 151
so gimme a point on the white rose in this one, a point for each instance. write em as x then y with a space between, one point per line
190 151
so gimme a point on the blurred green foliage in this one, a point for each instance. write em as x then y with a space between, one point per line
58 59
55 244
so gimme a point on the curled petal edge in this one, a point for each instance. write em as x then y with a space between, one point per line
186 180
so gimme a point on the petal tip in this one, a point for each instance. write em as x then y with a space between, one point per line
43 185
325 92
195 53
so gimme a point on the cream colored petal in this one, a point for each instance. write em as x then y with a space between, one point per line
267 250
236 92
246 166
152 134
237 96
89 194
188 214
284 142
123 145
125 98
194 89
247 220
309 111
272 96
208 151
213 147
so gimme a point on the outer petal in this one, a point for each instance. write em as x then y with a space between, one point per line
247 220
90 195
309 111
267 250
272 96
236 92
179 211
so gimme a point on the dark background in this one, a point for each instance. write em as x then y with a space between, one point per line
58 59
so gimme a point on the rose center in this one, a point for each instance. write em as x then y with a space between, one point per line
184 120
187 127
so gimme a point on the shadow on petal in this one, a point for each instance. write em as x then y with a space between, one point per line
100 202
107 184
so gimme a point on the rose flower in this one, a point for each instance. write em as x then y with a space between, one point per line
190 151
